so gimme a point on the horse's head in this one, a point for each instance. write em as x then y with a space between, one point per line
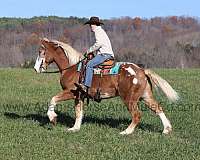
45 56
54 51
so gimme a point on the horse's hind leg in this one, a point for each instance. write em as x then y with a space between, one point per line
135 114
131 101
131 85
156 108
64 95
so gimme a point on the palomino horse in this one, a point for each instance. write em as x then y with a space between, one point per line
131 84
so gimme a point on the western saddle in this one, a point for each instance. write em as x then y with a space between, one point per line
108 64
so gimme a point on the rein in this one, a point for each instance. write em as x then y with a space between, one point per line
59 71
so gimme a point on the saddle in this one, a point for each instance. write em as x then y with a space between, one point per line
101 69
107 64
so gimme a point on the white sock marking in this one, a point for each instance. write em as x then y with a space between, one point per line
164 120
51 114
78 121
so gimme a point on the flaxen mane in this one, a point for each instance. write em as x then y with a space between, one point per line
73 55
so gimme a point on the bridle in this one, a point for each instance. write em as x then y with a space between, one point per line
61 70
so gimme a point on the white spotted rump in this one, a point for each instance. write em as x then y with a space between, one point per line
135 81
130 71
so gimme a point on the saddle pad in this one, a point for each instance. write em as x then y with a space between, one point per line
112 71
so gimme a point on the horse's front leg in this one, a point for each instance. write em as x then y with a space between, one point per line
79 115
64 95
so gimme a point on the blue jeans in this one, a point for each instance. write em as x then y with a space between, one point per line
98 59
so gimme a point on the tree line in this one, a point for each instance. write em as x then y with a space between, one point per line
172 42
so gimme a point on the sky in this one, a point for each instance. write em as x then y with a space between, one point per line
105 9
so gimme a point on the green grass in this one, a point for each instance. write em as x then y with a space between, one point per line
25 132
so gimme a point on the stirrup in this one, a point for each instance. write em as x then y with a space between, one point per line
82 87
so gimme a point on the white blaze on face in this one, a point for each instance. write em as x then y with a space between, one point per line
38 64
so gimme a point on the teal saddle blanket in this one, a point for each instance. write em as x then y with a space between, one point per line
112 71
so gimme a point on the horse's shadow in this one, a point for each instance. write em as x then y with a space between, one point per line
68 121
43 120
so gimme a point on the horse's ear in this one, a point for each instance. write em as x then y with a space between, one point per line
44 41
40 39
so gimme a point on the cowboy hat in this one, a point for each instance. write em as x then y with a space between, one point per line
94 20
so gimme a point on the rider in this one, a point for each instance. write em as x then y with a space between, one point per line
103 49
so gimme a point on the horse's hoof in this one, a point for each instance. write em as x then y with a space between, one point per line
72 129
54 121
127 131
167 130
123 133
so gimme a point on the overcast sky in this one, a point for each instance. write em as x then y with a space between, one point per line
105 9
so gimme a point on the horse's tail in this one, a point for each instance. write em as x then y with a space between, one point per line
159 82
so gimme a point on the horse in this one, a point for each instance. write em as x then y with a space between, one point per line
132 84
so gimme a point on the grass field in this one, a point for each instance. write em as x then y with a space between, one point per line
25 132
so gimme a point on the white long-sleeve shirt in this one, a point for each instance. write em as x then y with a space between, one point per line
102 44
